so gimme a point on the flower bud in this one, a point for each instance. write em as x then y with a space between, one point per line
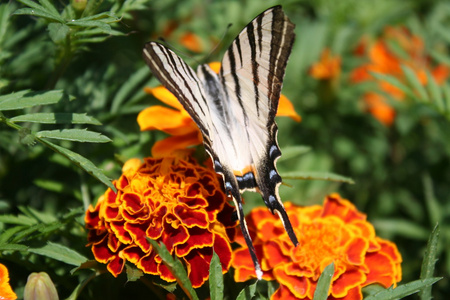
79 4
40 286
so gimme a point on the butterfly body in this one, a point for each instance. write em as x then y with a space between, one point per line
235 109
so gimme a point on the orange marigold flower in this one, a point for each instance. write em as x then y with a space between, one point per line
6 292
171 200
385 59
335 232
191 42
177 122
329 67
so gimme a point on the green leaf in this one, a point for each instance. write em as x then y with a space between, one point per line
128 87
56 118
81 162
38 12
175 267
248 292
58 32
215 278
26 98
293 152
49 6
13 247
401 227
60 253
8 234
18 220
323 285
312 175
133 273
76 135
402 290
429 262
106 28
435 92
415 83
395 82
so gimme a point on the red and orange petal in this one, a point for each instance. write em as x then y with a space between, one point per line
170 200
328 67
6 291
335 232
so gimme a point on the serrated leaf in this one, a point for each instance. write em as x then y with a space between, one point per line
81 162
323 285
7 235
402 290
175 267
49 6
106 28
58 32
415 83
56 118
429 262
215 278
312 175
13 247
25 99
38 12
248 292
76 135
18 220
60 253
133 274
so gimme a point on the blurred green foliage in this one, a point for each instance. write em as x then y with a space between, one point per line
91 52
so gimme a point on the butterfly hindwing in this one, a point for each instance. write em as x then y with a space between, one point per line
235 109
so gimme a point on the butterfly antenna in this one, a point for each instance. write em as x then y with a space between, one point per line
219 43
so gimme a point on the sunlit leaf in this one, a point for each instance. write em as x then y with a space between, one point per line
402 290
76 135
61 253
215 278
56 118
429 262
248 292
323 285
312 175
176 268
25 99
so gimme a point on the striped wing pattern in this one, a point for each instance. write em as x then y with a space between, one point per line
235 109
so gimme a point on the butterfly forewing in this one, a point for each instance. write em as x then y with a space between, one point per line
235 109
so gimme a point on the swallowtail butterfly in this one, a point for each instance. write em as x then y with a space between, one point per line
235 109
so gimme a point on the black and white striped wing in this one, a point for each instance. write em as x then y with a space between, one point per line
252 75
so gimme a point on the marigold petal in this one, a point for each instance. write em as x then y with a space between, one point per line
198 238
298 286
198 269
215 66
163 95
115 266
346 282
170 145
165 119
6 292
357 249
191 42
344 209
286 109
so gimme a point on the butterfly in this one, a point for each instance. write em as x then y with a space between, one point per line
235 109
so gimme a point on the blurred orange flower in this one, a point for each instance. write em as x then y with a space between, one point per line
335 232
396 48
328 68
171 200
177 122
6 292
